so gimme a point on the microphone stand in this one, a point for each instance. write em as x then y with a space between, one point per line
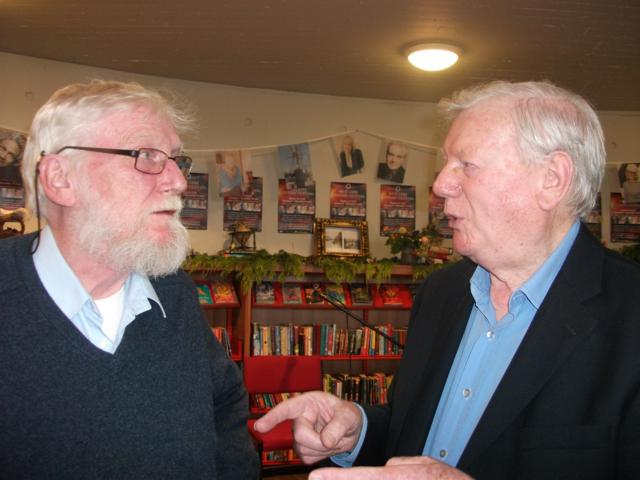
342 307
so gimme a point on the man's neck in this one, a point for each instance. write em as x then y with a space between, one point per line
97 278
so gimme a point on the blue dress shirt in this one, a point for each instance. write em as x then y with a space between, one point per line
74 301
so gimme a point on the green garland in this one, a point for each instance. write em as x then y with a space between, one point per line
253 268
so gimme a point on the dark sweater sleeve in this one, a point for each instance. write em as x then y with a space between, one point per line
236 457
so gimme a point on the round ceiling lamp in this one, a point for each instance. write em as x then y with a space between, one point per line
433 57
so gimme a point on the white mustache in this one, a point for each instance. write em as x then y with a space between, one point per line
173 203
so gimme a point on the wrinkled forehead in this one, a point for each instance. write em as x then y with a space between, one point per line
131 122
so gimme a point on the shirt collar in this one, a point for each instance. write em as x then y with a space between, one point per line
537 286
65 288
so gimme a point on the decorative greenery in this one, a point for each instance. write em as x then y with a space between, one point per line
417 242
261 265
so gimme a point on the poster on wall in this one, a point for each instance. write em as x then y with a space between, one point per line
296 207
233 172
437 217
295 161
11 150
348 201
397 208
244 207
625 219
628 177
195 200
394 156
593 221
350 158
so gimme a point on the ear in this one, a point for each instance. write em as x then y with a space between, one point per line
55 180
557 175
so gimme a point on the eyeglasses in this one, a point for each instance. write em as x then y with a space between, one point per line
148 160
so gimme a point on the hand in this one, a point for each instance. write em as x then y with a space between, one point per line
397 468
323 424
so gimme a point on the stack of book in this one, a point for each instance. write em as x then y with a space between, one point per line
219 292
324 339
361 388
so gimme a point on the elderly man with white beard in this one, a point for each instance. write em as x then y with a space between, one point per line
109 367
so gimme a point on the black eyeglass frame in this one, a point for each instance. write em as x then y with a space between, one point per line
184 162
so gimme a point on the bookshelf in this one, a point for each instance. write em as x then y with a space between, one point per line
354 371
221 307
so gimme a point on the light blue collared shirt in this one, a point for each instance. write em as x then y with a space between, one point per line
483 356
485 352
67 292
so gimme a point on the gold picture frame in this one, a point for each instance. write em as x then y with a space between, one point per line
341 238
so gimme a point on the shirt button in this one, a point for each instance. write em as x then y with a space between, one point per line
490 335
466 392
442 453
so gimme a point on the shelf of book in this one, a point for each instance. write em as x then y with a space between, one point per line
221 306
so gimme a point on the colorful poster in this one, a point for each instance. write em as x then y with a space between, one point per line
245 208
11 150
296 164
348 201
594 220
436 215
296 208
625 220
397 208
195 198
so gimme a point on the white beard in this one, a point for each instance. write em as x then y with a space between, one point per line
128 248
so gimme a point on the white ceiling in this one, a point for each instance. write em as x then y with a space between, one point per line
342 47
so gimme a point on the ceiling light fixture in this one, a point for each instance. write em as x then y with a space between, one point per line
433 57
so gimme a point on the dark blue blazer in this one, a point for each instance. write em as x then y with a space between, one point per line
568 406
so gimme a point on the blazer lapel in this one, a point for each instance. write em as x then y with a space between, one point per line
560 325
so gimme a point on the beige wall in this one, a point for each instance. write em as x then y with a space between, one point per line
233 117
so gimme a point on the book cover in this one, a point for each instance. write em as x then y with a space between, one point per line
311 297
204 294
291 294
390 294
265 293
335 292
360 294
223 292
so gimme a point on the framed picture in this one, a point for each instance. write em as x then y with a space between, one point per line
341 238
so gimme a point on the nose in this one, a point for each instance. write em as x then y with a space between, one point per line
446 184
173 180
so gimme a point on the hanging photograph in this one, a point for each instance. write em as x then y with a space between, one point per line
348 201
11 149
195 199
397 208
296 208
233 172
350 158
295 161
341 238
629 176
244 208
392 165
